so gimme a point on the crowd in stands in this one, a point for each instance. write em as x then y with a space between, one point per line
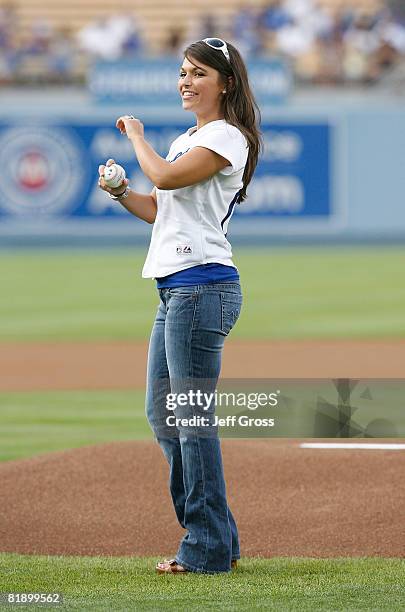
341 47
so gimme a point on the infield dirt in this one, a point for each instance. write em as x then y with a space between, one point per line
112 499
122 365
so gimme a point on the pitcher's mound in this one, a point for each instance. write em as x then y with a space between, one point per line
113 499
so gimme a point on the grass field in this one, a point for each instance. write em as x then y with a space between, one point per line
290 293
34 423
258 584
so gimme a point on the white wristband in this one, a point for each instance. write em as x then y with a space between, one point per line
122 196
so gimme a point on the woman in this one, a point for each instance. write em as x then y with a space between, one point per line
205 174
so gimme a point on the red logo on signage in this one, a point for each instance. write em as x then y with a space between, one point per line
33 171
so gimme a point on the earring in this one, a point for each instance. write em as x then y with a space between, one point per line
224 91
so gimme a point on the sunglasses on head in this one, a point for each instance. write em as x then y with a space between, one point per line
219 45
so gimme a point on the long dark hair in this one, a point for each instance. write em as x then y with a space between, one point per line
238 104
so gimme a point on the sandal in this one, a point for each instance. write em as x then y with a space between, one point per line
170 567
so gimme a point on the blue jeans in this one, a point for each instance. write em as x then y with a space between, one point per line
185 353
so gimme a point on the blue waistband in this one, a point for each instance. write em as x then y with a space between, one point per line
203 274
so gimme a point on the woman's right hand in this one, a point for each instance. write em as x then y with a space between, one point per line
117 190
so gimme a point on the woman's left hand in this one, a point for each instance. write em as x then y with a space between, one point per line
127 124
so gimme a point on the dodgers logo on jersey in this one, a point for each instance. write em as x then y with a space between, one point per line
178 155
44 170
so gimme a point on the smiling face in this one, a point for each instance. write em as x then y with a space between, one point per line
200 87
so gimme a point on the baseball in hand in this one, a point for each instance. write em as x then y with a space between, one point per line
114 175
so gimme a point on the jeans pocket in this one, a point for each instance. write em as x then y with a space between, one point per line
231 305
185 292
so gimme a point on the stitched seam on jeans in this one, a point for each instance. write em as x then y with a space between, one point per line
225 327
191 371
205 501
150 399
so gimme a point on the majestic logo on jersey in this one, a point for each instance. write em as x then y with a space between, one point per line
184 249
43 170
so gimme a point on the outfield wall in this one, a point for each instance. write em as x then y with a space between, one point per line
332 169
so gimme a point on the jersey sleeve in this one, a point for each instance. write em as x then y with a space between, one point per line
228 142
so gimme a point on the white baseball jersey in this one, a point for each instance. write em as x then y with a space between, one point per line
191 222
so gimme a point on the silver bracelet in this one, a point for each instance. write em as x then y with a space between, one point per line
122 195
